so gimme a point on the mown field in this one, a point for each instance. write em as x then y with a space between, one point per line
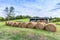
14 33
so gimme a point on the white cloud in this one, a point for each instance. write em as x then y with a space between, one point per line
33 8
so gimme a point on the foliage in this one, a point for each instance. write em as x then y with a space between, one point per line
22 17
55 19
9 13
2 19
14 18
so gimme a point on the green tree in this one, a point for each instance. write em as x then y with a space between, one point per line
9 13
6 11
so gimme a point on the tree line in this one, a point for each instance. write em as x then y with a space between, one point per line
16 17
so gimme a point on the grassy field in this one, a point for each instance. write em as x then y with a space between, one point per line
13 33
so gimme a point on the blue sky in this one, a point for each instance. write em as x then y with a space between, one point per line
42 8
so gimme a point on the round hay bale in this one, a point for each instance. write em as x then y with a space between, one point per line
19 24
44 23
50 27
39 26
23 25
9 23
38 20
12 23
31 24
15 24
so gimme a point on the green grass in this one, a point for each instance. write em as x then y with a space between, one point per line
14 33
57 23
22 20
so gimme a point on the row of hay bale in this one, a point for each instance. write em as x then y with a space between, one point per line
37 25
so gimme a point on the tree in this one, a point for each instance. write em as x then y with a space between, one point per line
9 13
6 11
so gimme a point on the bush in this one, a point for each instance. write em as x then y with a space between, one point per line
13 18
55 20
21 17
9 18
2 19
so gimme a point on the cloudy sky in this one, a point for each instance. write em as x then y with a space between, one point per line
42 8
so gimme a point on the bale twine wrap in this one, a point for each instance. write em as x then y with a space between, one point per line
50 27
39 25
31 24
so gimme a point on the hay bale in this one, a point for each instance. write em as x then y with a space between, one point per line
50 27
23 25
38 20
15 24
43 21
31 24
8 23
39 26
12 23
20 24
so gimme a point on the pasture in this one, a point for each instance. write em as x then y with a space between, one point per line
14 33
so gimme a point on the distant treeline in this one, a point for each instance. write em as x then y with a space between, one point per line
55 19
13 18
